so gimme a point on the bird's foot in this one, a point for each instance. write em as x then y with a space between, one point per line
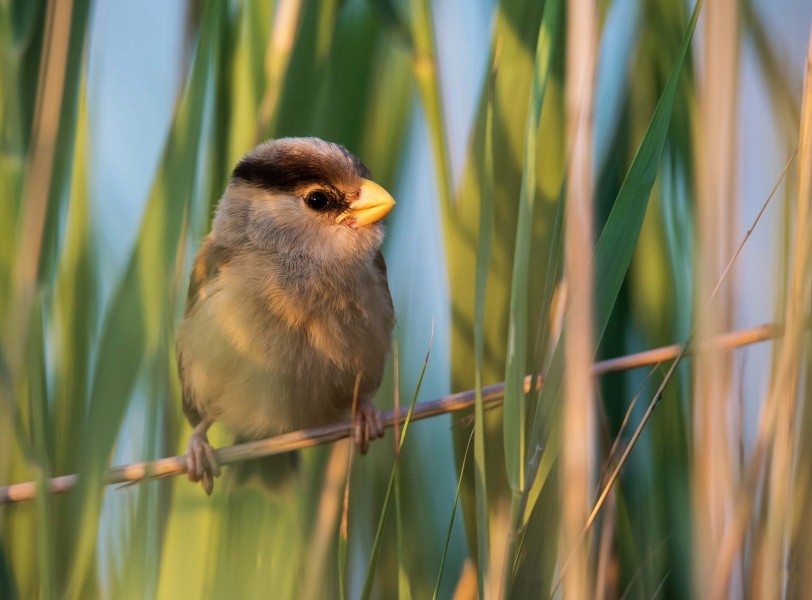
367 425
201 461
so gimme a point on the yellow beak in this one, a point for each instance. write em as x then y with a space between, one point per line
373 204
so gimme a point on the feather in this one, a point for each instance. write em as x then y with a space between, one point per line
209 261
286 306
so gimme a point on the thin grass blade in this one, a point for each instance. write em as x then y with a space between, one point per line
376 546
453 514
40 434
428 84
516 368
483 260
404 587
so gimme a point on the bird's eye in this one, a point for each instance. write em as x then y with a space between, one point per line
317 200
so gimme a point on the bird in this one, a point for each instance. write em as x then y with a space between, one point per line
289 317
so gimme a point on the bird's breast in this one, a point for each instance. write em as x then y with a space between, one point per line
275 352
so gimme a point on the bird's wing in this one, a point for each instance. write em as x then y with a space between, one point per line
380 264
210 260
384 310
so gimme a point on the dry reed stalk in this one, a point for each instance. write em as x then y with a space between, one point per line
803 560
491 395
729 546
781 431
578 465
606 576
716 429
333 491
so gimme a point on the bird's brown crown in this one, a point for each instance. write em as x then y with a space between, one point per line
288 164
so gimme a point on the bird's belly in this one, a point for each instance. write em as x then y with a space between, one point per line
257 402
256 390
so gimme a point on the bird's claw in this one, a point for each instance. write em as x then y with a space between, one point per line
201 462
367 425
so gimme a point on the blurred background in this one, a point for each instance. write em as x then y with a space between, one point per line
514 134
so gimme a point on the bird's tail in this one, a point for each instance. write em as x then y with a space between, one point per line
274 473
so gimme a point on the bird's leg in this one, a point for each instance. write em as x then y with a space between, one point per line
201 461
367 425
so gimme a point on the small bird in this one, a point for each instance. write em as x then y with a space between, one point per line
288 304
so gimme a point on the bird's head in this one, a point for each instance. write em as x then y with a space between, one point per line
304 197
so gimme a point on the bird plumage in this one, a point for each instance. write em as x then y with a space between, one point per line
288 298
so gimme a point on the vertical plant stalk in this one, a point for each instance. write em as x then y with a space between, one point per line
245 79
404 587
328 514
451 520
428 84
284 31
734 535
774 566
38 400
344 529
52 76
578 466
613 254
607 480
76 302
515 406
366 592
716 429
483 260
